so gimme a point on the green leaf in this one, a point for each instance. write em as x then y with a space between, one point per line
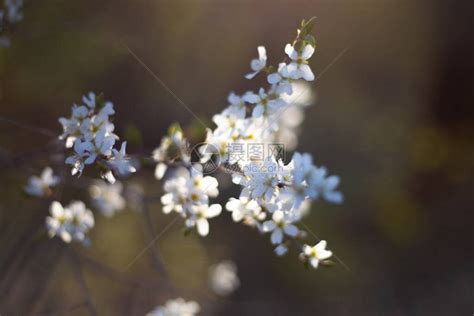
309 39
307 26
100 101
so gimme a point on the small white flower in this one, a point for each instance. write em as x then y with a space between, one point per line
299 67
77 160
120 162
199 217
264 103
326 186
176 307
71 222
101 146
59 223
280 226
41 186
263 179
207 185
223 278
281 80
82 221
258 64
245 210
237 105
314 255
107 198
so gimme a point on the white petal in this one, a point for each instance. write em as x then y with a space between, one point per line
277 236
160 170
278 216
291 230
213 210
56 209
268 226
281 250
273 78
250 76
258 111
237 216
202 226
262 53
332 182
306 72
251 97
321 245
322 255
335 197
307 52
291 52
314 262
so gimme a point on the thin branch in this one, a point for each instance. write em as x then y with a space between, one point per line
82 282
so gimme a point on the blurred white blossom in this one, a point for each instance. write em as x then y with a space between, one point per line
176 307
188 193
41 186
223 278
107 198
70 223
258 64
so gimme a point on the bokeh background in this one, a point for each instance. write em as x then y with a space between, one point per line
394 118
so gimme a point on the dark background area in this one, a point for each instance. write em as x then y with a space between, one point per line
394 118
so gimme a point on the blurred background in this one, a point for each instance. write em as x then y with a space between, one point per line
393 117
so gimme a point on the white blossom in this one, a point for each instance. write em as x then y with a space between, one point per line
70 223
299 67
107 198
258 64
264 103
262 179
187 193
120 163
280 226
198 217
314 255
223 278
41 186
176 307
248 211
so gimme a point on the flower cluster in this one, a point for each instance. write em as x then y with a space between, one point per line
10 13
41 186
261 117
90 132
70 223
176 307
281 190
188 193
